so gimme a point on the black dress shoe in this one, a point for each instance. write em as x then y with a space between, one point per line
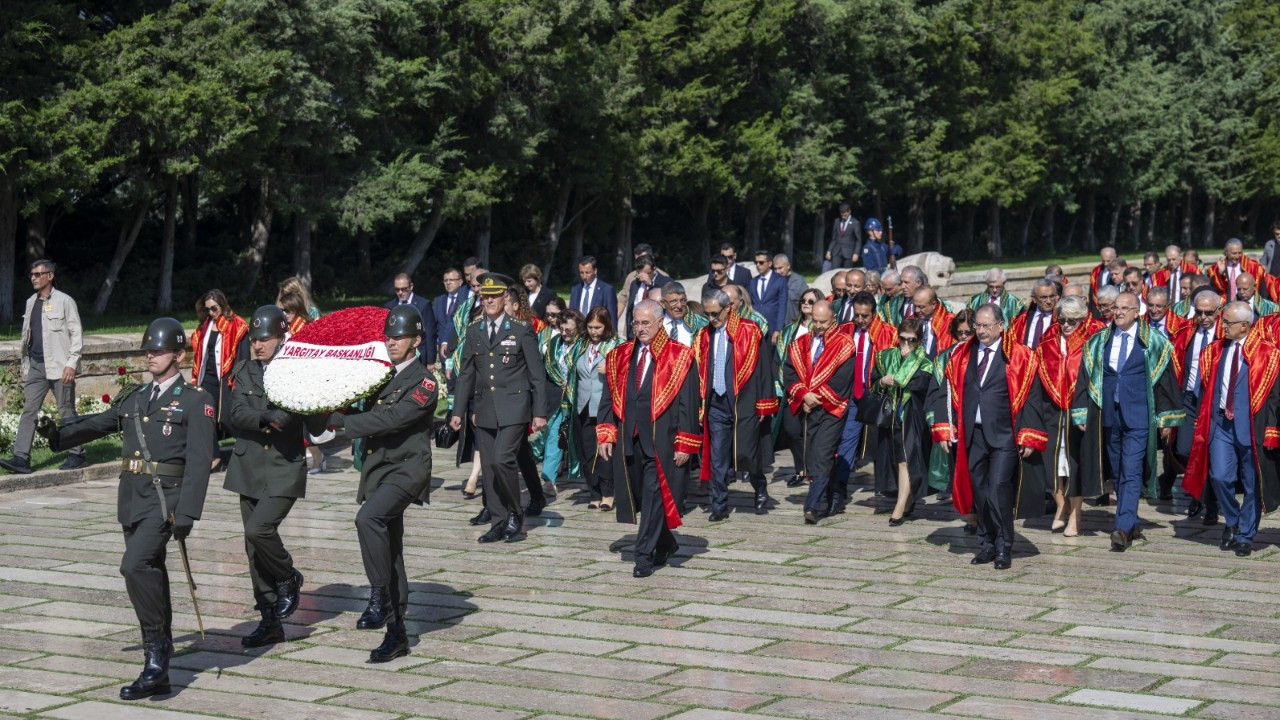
895 522
1136 534
1003 562
494 534
536 506
983 558
481 518
1228 540
795 481
1103 500
1194 507
944 497
287 595
837 509
1119 541
970 529
762 502
1165 494
154 679
268 632
1210 518
513 529
17 464
718 515
378 612
643 568
661 556
394 644
810 517
1243 549
73 462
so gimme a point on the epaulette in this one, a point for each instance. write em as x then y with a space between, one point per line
475 322
518 321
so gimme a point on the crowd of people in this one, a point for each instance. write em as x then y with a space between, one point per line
1007 407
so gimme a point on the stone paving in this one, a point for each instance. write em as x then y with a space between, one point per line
759 617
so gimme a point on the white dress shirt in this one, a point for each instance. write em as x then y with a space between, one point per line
1114 359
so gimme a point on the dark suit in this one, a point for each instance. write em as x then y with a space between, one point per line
992 450
772 303
538 302
503 383
1231 446
426 351
179 429
269 473
846 241
443 317
1125 424
638 287
602 296
396 471
738 275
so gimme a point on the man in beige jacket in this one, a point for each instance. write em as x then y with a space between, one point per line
51 344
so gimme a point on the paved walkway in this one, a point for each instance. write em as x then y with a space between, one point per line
759 617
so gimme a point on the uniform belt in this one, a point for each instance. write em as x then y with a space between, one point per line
138 466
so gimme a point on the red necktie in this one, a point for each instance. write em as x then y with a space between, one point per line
1230 411
857 363
640 366
982 364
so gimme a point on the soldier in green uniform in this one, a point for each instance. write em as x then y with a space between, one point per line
396 472
269 471
502 386
167 429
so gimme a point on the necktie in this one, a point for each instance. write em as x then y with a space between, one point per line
641 365
846 313
673 329
1232 271
760 287
1035 339
1193 374
717 382
982 365
1229 400
1175 286
586 300
858 360
817 350
493 329
448 310
928 339
155 395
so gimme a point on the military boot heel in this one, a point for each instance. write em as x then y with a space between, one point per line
154 679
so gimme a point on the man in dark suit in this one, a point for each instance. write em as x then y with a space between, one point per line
846 239
1188 344
737 274
592 292
647 277
405 296
396 472
443 308
539 296
269 473
512 400
768 292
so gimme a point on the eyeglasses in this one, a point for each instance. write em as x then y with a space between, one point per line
762 262
1228 323
1120 309
986 326
552 315
403 290
1205 313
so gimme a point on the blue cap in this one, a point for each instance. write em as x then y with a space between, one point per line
872 224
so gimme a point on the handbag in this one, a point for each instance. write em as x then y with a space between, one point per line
446 437
875 410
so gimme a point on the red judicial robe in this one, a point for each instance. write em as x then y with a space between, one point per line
1021 371
673 416
1051 397
1264 395
1221 282
753 394
831 379
1161 277
232 328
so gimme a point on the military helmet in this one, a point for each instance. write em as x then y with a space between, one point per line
267 322
403 321
164 333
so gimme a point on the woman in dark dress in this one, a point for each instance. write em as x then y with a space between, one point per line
903 375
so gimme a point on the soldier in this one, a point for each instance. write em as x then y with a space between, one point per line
167 438
501 409
396 471
269 471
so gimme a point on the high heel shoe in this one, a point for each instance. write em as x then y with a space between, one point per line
469 494
895 522
1058 526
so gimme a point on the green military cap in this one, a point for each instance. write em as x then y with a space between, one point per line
494 284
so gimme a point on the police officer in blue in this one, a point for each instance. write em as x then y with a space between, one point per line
876 252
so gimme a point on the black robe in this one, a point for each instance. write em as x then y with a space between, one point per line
819 431
909 439
754 402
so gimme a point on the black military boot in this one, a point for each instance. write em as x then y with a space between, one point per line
394 644
378 612
287 595
154 680
268 632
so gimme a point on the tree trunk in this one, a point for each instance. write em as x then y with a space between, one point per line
622 239
1047 230
995 247
8 246
422 242
259 234
1151 226
789 234
755 218
555 228
877 201
579 240
364 256
937 222
1115 225
484 236
1071 230
1250 229
1210 208
1135 224
702 229
302 249
124 245
1090 218
190 210
164 293
1026 230
915 231
37 236
819 237
1187 211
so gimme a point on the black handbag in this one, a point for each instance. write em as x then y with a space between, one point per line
446 437
875 410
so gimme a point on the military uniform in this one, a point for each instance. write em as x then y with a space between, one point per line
502 382
167 439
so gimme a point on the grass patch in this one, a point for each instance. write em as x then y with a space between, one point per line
99 451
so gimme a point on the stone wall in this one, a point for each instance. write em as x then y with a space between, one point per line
100 359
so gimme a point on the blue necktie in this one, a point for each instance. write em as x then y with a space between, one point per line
717 382
817 350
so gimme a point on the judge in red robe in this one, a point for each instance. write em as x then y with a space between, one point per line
936 319
987 383
218 340
1101 274
1029 327
735 376
870 336
1223 273
1236 433
649 416
1175 268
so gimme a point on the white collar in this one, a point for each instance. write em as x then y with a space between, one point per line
993 347
164 386
400 368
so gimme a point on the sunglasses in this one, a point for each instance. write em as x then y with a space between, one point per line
909 340
212 308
